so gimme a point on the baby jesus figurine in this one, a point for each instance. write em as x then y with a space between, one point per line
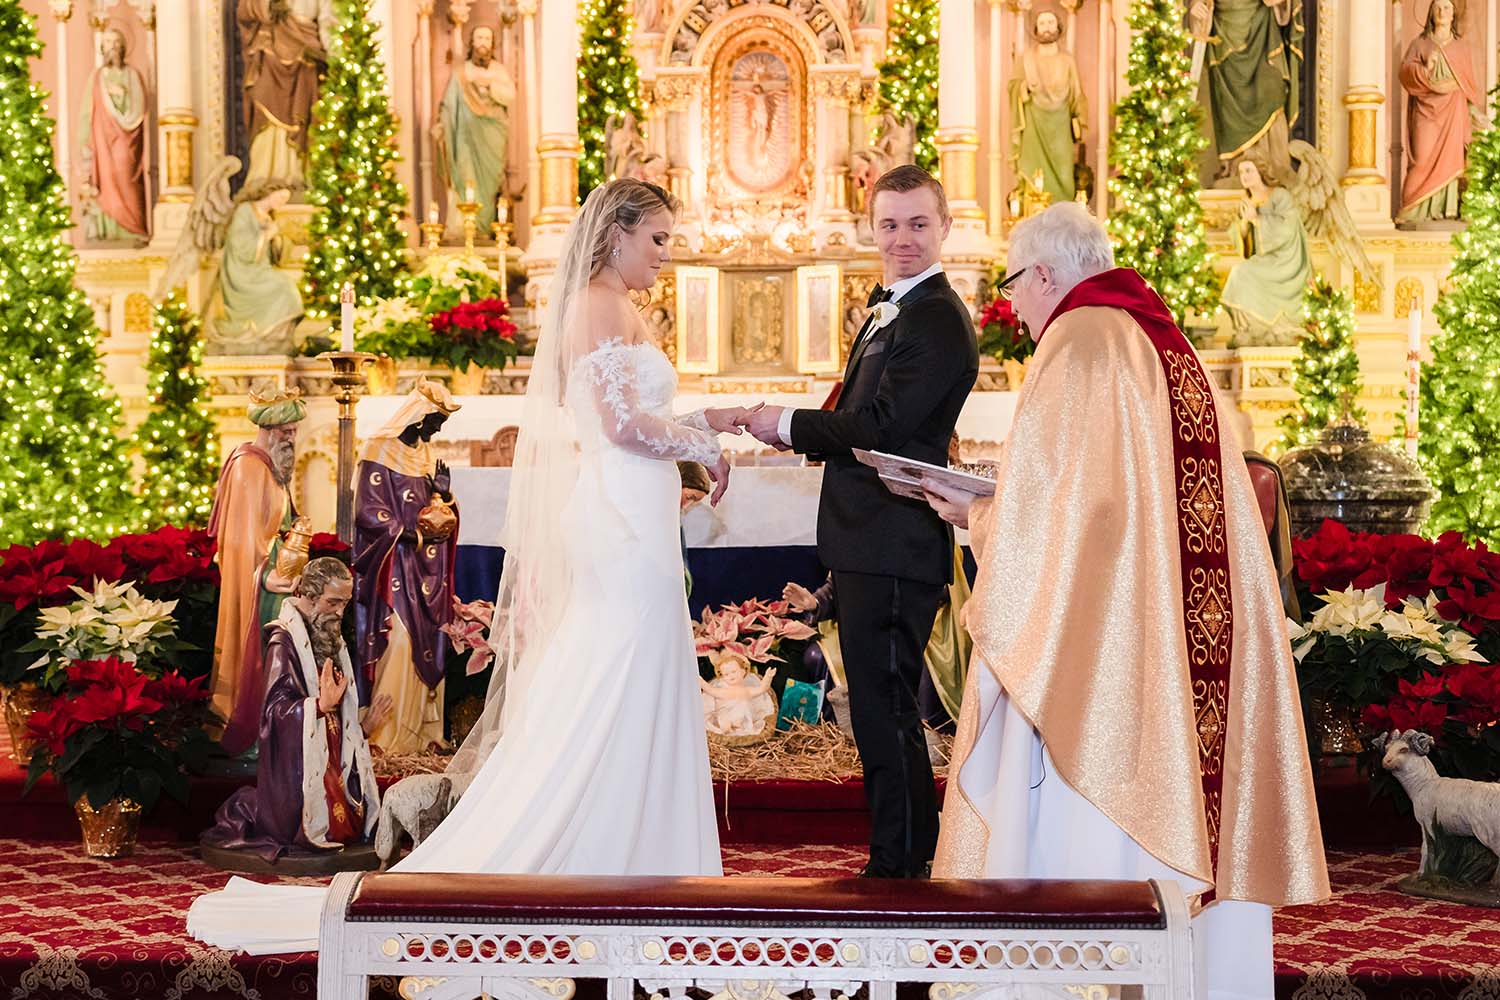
737 702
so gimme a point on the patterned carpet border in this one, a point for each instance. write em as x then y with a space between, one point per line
72 927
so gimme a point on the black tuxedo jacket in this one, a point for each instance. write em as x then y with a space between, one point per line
903 389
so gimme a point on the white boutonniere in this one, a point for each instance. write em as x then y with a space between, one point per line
885 313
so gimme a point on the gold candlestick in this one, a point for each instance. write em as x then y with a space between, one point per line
348 381
470 211
502 231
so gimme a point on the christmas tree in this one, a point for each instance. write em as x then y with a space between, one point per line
1155 217
1326 372
178 442
909 74
356 234
607 83
63 470
1460 395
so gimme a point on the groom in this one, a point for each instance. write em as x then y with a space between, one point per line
909 372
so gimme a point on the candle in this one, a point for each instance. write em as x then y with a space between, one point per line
469 193
502 210
1413 375
432 211
346 318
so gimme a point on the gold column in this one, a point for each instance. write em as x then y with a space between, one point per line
1363 104
958 160
177 144
559 162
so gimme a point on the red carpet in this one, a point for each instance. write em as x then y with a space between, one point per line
75 928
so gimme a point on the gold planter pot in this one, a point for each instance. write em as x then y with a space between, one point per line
381 374
1015 373
21 702
469 382
110 832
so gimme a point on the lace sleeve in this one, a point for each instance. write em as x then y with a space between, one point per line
697 420
610 376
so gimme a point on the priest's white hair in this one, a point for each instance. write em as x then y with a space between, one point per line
1066 238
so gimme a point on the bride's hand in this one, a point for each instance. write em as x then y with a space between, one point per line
719 473
728 419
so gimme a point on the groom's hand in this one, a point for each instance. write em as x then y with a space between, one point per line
764 424
951 505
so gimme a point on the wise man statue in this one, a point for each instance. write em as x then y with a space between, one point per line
1048 108
472 132
405 537
315 785
252 506
113 127
284 44
1252 57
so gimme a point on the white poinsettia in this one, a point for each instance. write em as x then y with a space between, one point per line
1349 610
112 619
1459 645
1405 625
1303 639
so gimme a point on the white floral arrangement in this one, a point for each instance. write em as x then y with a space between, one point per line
1361 615
112 620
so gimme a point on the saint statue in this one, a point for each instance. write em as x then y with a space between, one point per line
284 44
1252 53
113 127
261 302
1263 294
1049 109
1444 106
315 785
472 131
405 537
626 153
252 506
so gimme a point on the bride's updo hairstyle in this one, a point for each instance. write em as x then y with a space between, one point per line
625 202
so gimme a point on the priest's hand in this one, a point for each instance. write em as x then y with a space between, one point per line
951 505
719 473
381 709
331 687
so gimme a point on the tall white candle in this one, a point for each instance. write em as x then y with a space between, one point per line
346 318
1413 374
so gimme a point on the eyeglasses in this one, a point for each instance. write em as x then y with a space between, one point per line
1004 289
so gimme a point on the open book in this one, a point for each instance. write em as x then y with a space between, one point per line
903 476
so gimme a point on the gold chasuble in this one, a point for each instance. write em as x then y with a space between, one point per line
1127 604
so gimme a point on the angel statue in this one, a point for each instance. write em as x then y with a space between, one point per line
255 306
626 153
1263 294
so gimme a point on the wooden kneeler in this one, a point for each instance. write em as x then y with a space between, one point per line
520 937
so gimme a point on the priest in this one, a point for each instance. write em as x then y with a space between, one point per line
1132 708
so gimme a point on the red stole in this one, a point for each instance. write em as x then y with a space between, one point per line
1207 605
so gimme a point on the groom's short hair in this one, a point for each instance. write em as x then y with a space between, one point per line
909 177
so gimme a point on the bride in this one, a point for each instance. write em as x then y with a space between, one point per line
590 756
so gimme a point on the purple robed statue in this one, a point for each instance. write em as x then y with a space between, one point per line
315 788
405 540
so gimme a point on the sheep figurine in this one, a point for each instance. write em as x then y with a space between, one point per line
1443 806
415 805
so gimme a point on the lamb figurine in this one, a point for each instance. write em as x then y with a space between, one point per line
1457 805
415 805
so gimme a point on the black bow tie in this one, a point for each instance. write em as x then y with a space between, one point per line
878 294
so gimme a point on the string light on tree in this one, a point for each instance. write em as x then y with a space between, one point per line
1155 217
356 232
178 442
608 83
1460 387
1326 370
63 470
909 74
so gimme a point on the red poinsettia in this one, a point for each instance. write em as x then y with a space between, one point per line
36 575
1001 334
479 333
326 543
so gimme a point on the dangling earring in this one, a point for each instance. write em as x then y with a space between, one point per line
615 253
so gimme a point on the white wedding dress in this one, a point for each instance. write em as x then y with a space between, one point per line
602 768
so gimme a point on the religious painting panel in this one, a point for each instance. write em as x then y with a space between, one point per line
819 314
760 119
697 319
757 332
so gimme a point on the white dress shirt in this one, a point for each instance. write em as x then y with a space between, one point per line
897 289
